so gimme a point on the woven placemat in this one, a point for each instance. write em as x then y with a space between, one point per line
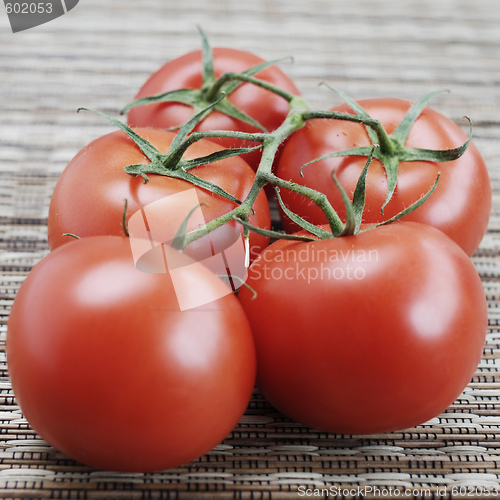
97 56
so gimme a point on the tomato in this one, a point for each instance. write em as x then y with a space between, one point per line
89 197
262 105
108 369
368 333
460 205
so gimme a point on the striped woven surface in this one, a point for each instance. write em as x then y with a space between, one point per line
97 56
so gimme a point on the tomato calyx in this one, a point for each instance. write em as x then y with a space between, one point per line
391 150
206 99
354 209
171 164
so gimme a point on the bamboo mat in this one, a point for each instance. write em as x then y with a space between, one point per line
97 56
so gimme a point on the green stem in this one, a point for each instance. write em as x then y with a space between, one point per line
227 77
271 142
270 146
244 136
384 141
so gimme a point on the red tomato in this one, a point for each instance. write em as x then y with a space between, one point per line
108 369
367 333
262 105
460 205
89 197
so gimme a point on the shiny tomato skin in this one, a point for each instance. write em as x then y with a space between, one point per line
89 197
368 333
460 206
108 370
186 72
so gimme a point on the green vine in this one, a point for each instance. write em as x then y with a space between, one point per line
389 149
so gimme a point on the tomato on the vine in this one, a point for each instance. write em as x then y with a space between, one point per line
460 206
372 332
107 368
186 72
89 197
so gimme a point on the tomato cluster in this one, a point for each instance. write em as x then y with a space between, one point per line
127 351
